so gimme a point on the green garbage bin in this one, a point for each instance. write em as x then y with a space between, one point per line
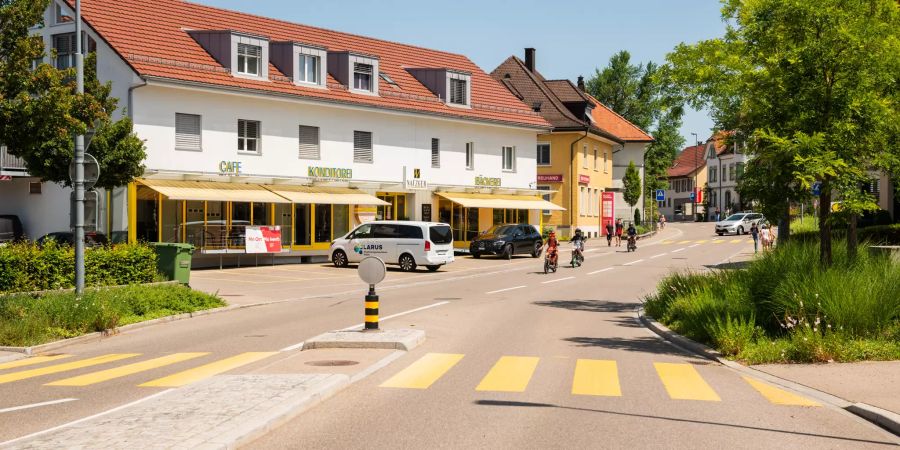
173 260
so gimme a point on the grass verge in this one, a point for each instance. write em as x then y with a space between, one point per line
785 307
27 320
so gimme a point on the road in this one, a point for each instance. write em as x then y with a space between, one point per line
514 358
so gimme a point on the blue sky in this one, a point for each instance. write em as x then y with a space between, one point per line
571 37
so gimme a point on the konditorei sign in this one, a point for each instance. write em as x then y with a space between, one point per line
549 178
487 181
329 173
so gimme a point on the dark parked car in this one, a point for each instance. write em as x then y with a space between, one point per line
91 238
507 240
10 229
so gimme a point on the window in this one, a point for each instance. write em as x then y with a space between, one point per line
187 131
596 159
248 135
309 142
543 154
731 172
605 162
713 174
739 169
596 202
509 159
581 200
249 59
308 71
458 92
60 16
470 155
546 197
35 187
362 147
387 79
362 77
584 158
435 152
64 44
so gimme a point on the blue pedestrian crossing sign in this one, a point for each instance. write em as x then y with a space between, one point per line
693 195
660 195
817 188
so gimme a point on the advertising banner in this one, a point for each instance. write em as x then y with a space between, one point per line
607 209
263 239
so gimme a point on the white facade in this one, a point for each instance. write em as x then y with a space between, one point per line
622 155
723 172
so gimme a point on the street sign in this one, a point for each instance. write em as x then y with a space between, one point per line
371 270
693 195
660 195
817 188
91 171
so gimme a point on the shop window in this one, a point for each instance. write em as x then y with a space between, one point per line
302 224
283 219
261 213
323 223
216 234
194 228
147 215
464 223
171 220
341 225
445 211
395 211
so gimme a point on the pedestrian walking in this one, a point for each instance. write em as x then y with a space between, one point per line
620 227
718 214
765 236
610 231
662 222
754 232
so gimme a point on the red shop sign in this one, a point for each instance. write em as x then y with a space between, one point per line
584 179
549 178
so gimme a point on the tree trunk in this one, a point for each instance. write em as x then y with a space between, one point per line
784 225
825 226
852 239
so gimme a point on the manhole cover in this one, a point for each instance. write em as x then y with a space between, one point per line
332 362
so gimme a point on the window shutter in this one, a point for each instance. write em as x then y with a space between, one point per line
309 142
362 147
362 68
435 152
252 129
187 131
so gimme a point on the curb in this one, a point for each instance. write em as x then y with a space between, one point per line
888 420
55 345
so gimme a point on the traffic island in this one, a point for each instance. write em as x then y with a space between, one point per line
402 339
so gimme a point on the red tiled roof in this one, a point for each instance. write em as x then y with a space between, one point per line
610 121
688 161
151 37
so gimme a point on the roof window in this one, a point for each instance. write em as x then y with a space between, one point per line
452 86
355 70
245 55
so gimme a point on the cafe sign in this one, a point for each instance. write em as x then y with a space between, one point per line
487 181
329 173
229 168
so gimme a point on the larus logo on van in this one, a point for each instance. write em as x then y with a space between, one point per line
368 247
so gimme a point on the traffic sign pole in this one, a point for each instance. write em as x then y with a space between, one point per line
78 182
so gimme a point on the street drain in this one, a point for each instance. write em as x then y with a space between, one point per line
332 362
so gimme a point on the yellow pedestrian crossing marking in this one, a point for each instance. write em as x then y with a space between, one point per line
737 241
682 382
667 242
779 396
130 369
685 242
718 241
509 374
208 370
424 372
702 241
31 361
596 377
25 374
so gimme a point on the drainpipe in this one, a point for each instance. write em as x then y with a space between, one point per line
574 184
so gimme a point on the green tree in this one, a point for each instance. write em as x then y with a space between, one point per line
631 185
40 111
811 86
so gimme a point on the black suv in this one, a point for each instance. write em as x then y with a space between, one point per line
507 240
10 228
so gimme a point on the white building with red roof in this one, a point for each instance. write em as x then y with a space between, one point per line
255 121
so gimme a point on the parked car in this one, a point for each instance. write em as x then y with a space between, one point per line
739 223
404 243
507 240
10 228
91 238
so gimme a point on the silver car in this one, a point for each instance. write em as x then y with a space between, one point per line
738 223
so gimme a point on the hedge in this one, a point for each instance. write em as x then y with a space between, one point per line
879 234
25 266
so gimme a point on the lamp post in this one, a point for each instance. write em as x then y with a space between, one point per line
78 182
694 188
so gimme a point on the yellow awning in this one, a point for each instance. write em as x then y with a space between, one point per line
500 201
325 195
212 191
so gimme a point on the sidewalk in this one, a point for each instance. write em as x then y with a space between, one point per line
876 383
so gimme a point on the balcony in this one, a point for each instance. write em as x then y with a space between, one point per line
9 164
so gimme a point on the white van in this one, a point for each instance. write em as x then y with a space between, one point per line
404 243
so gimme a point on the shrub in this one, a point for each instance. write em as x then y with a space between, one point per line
637 217
25 266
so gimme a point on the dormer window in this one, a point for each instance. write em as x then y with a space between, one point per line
362 77
452 86
60 16
308 70
458 92
249 59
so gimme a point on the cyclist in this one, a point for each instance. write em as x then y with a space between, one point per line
552 245
632 235
578 242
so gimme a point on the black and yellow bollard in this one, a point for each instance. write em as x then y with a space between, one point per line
371 309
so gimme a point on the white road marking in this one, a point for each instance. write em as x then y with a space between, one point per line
601 270
557 280
692 246
633 262
504 290
35 405
680 249
657 256
84 419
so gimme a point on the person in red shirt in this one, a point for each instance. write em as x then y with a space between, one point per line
620 227
552 247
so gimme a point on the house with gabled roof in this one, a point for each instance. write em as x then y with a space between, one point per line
582 159
252 121
686 180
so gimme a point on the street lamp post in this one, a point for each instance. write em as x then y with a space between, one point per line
78 182
696 169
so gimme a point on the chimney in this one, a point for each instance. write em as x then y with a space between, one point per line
529 59
580 83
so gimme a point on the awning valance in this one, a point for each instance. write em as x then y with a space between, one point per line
212 191
325 195
499 201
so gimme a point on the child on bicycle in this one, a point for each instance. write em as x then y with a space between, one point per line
552 245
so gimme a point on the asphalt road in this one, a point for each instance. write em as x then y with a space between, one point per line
514 358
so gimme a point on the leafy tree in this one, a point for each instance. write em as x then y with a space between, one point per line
41 112
631 185
812 86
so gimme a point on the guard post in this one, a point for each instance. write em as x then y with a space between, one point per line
371 271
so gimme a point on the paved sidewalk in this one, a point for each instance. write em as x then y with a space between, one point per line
876 383
10 356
